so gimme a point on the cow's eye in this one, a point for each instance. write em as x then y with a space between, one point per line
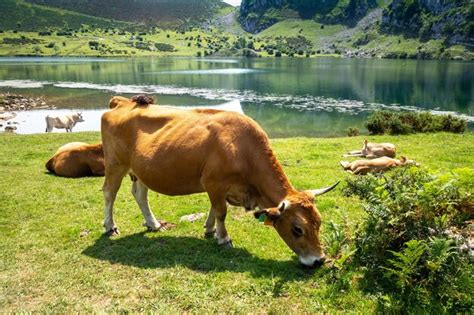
297 231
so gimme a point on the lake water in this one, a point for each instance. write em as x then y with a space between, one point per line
289 97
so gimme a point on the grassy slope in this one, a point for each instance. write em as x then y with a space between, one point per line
46 265
139 10
310 29
35 17
79 45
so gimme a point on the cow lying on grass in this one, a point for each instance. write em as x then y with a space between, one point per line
373 150
78 159
60 122
362 167
225 154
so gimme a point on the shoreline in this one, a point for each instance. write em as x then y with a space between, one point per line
342 56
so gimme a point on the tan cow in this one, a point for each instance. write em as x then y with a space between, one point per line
66 121
78 159
225 154
362 167
372 150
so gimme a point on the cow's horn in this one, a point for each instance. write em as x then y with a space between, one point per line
318 192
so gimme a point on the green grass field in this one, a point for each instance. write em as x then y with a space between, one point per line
109 44
45 264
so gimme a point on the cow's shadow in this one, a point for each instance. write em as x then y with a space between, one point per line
197 254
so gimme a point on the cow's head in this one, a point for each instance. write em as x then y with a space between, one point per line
298 222
405 161
78 117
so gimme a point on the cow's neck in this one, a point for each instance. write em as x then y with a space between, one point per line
271 182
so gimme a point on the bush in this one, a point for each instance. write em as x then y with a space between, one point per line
410 244
396 123
278 53
164 47
353 132
94 45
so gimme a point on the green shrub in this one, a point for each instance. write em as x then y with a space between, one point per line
353 132
409 243
396 123
165 47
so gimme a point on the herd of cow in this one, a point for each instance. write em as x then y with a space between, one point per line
225 154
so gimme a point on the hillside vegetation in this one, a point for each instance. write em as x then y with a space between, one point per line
258 15
402 29
152 12
22 16
425 29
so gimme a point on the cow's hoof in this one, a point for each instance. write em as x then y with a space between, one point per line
113 232
209 234
227 244
155 228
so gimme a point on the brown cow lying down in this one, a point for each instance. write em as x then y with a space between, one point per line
78 159
362 167
225 154
372 150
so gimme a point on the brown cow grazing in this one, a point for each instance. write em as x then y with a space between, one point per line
225 154
373 150
362 167
78 159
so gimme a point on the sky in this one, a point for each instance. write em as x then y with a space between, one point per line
233 2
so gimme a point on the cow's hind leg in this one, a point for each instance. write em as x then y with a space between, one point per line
113 180
140 192
210 224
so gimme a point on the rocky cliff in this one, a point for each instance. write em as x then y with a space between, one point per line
256 15
431 19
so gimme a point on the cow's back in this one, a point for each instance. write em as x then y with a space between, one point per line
171 150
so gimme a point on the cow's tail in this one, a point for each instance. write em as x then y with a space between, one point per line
46 119
49 165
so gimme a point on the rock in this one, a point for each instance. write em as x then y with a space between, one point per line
84 233
10 129
192 217
7 116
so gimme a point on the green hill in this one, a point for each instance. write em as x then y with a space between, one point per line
19 15
148 11
256 16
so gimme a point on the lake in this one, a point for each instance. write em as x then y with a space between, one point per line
289 97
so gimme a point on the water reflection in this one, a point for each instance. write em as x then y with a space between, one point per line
318 93
28 122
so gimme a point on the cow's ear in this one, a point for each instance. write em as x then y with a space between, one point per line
269 215
113 102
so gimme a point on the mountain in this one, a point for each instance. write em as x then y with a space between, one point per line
148 11
431 19
257 15
19 15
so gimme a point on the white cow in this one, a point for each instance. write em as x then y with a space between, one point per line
372 150
66 121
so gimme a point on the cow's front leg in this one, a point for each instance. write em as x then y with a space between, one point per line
140 192
210 224
220 211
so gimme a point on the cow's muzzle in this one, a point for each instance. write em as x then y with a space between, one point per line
312 261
